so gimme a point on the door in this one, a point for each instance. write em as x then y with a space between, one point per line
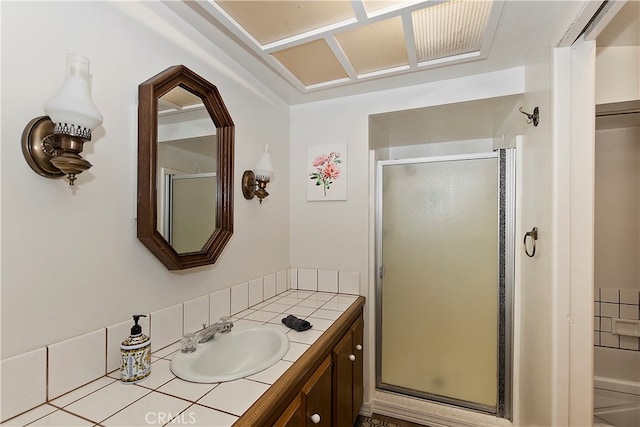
442 310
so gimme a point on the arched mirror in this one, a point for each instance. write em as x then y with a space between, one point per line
185 169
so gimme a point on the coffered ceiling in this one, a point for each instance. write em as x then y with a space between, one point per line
309 50
315 44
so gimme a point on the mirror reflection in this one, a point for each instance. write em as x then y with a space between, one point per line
187 168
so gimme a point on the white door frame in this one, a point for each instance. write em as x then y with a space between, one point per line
573 206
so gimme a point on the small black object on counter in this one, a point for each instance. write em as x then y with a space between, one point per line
297 324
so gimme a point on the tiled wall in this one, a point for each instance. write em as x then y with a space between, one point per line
31 379
611 304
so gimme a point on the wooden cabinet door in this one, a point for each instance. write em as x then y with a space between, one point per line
293 416
358 367
316 397
343 382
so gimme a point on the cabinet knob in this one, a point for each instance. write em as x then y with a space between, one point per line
315 418
352 357
358 347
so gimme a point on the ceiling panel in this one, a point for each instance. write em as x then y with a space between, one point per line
312 63
271 21
376 46
315 44
449 29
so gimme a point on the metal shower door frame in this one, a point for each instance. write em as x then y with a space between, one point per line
506 163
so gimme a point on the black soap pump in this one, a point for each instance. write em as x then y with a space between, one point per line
136 354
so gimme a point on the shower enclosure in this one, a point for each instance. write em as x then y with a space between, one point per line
189 211
445 241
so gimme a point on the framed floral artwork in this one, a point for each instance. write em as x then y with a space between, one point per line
327 172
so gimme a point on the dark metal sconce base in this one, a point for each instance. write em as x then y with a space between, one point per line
33 148
251 187
249 184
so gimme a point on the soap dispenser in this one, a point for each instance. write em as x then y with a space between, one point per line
136 354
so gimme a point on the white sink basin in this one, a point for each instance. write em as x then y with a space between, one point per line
231 356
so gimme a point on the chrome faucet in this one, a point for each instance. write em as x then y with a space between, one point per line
223 326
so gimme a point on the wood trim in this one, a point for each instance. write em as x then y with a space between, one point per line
147 226
266 410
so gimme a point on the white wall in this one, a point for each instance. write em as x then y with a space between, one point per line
617 74
71 262
617 208
541 398
336 234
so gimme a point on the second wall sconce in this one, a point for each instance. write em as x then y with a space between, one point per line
254 183
52 144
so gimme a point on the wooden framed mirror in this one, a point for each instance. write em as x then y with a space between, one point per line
185 140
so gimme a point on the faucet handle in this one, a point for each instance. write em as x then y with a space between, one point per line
188 342
227 323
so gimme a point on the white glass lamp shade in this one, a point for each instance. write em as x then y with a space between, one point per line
264 169
72 110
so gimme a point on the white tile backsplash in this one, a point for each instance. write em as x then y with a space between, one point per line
24 382
256 291
269 286
166 326
609 309
629 312
293 278
281 281
196 313
611 304
349 282
239 298
307 279
327 281
76 362
629 296
610 295
115 335
220 305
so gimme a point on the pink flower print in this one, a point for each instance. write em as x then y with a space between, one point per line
331 170
320 160
327 170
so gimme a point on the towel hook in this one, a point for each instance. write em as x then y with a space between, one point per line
534 236
533 118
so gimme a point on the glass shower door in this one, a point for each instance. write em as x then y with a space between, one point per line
439 286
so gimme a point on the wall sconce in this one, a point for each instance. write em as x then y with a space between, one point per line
52 144
254 183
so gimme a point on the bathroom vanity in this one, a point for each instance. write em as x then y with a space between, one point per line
318 381
324 386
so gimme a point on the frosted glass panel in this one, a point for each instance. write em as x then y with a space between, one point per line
439 296
193 210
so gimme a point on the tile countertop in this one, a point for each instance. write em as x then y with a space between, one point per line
162 399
